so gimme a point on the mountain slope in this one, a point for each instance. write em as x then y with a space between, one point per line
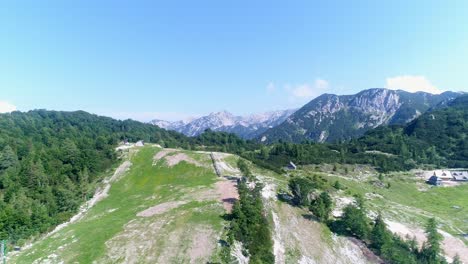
244 126
164 208
332 117
50 161
437 137
161 212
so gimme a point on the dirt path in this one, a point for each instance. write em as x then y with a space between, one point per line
222 165
174 157
177 158
160 208
227 190
161 154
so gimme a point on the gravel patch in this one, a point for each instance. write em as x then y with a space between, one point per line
160 208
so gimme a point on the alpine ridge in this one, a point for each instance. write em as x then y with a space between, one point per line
331 117
247 127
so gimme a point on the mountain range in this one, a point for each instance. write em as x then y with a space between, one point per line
327 118
247 127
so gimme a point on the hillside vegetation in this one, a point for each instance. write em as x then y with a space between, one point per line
156 212
50 162
435 139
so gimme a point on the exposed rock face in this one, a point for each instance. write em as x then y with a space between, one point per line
330 117
245 126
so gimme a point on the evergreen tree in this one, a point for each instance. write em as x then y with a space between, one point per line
380 236
431 250
337 185
8 158
355 221
301 189
321 207
264 153
83 183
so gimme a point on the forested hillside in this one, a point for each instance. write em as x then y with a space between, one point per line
437 138
50 160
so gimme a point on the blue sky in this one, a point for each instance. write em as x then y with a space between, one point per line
174 59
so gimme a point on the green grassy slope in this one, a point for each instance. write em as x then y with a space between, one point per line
404 197
109 226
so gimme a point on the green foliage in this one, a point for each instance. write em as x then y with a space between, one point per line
430 253
379 235
223 141
355 222
301 189
337 185
398 251
321 207
244 168
250 226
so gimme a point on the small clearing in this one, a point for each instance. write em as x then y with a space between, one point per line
177 158
161 154
227 190
160 208
340 204
376 152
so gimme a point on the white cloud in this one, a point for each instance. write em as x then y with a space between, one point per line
271 87
321 84
6 107
412 83
308 91
303 91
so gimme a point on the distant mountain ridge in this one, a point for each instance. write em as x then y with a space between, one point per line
331 117
247 127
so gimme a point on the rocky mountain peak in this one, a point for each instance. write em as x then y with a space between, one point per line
332 117
245 126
